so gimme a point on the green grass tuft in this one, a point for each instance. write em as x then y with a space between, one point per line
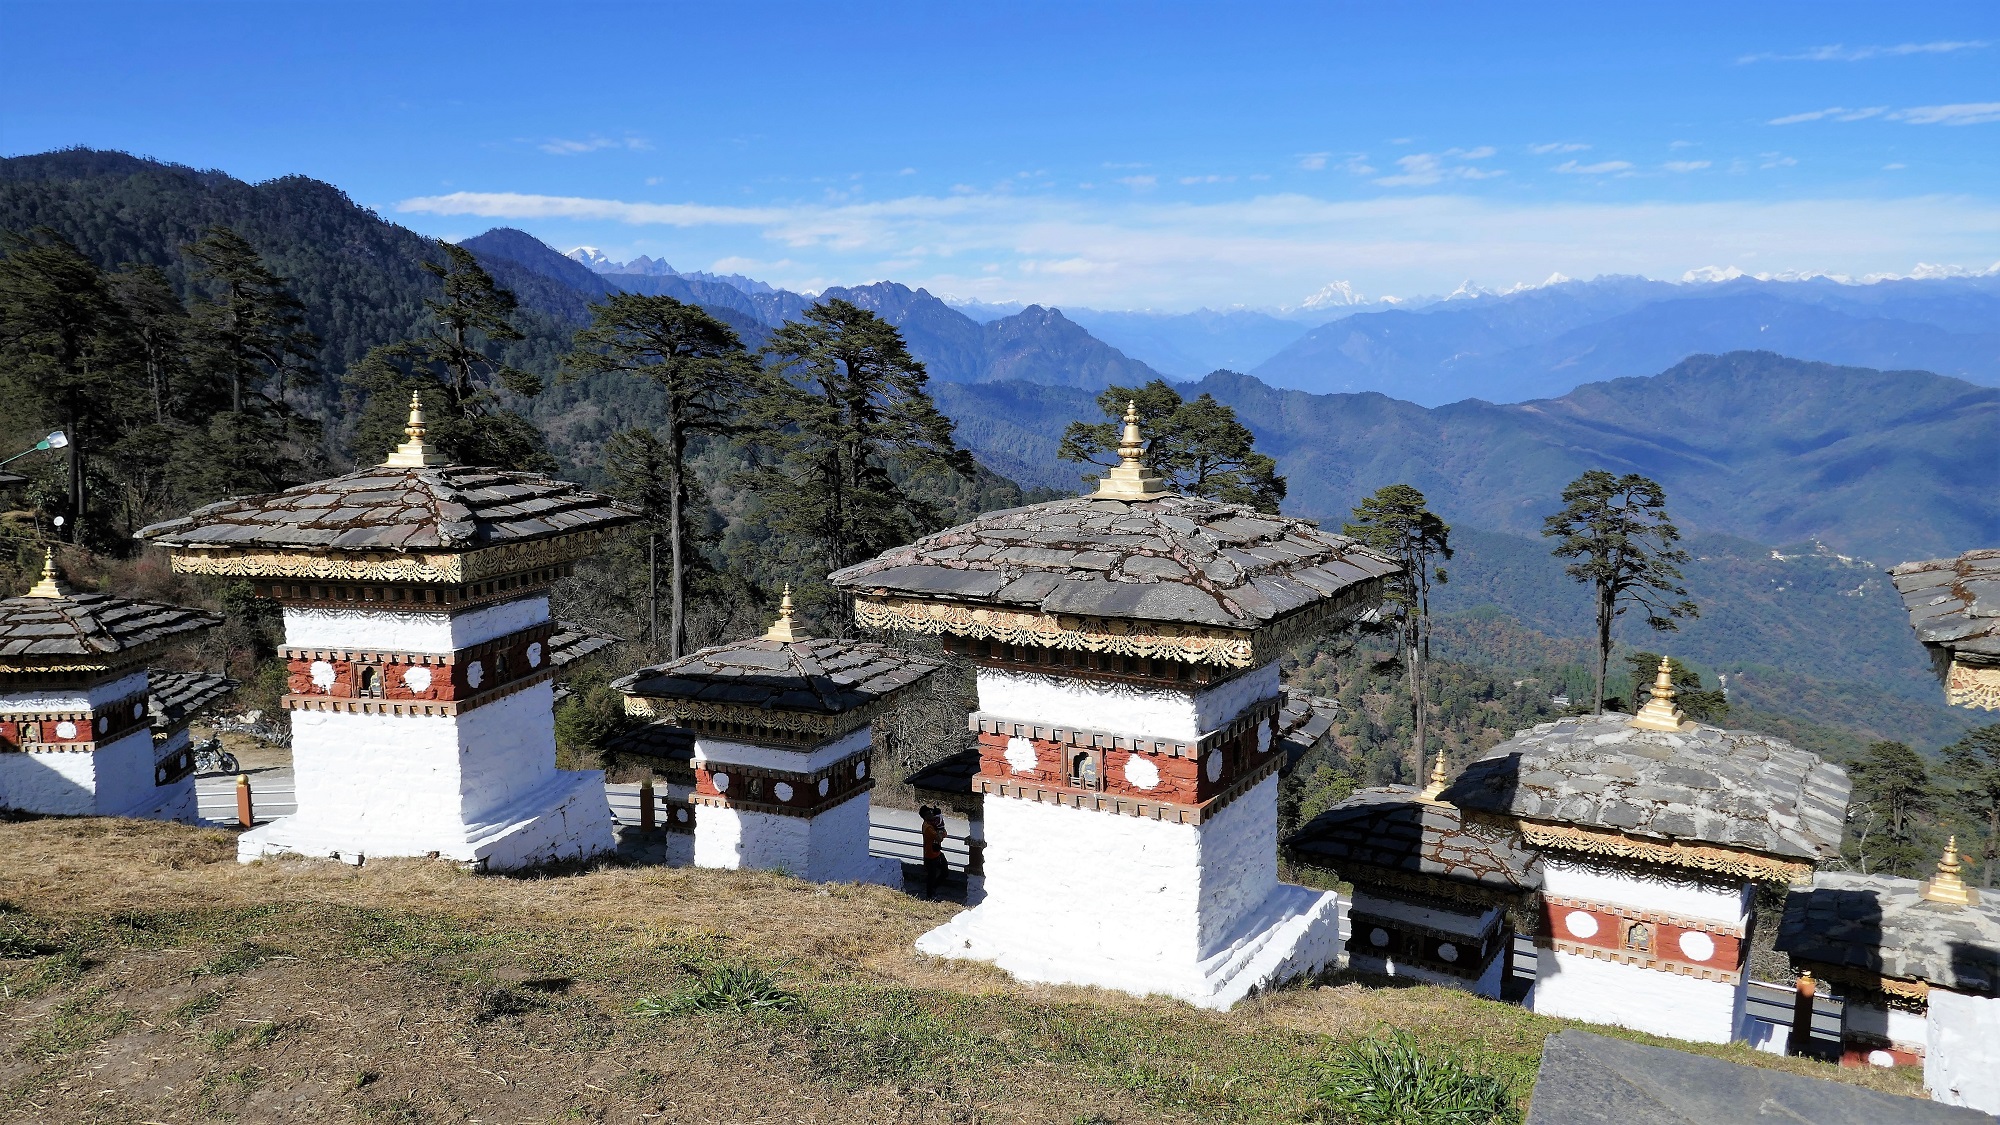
1395 1082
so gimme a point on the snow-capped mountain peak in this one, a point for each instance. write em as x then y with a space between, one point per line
599 262
592 257
1333 295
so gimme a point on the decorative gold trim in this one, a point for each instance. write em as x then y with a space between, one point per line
1749 865
109 663
1194 644
448 567
1972 685
1645 961
1909 991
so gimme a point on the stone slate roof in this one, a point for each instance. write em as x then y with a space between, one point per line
450 508
668 747
173 696
819 676
89 628
1882 924
1595 1078
1954 604
1391 829
1176 559
1700 785
1303 721
572 642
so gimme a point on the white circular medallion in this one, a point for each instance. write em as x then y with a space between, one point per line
1264 738
417 677
322 675
1881 1058
535 655
474 672
103 723
1447 952
681 815
1020 755
1697 945
1580 924
1378 937
782 791
65 729
860 770
138 709
825 784
721 782
1140 771
1214 767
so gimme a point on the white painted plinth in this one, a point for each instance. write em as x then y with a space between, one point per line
116 779
480 788
1487 985
831 847
1962 1050
1189 911
1873 1022
1573 986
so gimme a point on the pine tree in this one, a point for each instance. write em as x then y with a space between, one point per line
67 349
1618 530
453 364
1198 446
707 379
1892 785
1396 520
1973 762
852 403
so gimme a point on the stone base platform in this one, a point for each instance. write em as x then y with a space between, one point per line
1294 932
566 819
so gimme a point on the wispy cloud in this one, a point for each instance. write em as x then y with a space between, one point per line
1314 161
1420 169
1211 178
1963 113
1601 168
1139 183
1776 160
1121 251
562 146
1685 165
1836 52
1970 113
1557 147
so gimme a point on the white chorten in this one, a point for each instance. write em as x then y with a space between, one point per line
1654 833
1127 650
77 732
416 603
782 748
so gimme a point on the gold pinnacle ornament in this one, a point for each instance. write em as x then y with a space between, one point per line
1131 480
413 454
1659 713
51 585
1947 887
781 629
1439 779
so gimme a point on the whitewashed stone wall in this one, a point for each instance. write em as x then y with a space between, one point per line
1962 1050
74 699
410 630
1718 901
1577 987
829 848
721 751
1155 712
1907 1030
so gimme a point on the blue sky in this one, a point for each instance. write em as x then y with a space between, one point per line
1107 155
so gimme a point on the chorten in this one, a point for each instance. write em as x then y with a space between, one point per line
783 735
1955 611
1919 964
1126 645
1654 833
417 629
77 734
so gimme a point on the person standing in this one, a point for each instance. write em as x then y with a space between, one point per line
934 838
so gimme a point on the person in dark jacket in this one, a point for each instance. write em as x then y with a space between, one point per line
934 838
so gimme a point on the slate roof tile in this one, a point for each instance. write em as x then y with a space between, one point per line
820 676
91 625
1954 604
1391 829
1883 924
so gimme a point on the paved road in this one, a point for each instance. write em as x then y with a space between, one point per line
893 833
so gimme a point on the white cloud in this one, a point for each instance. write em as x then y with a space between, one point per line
1211 178
1124 251
1601 168
1685 165
1894 167
1139 183
1776 160
1420 169
560 146
1314 161
1837 113
1557 147
1835 52
1973 113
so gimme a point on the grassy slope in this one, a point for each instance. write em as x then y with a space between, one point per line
162 981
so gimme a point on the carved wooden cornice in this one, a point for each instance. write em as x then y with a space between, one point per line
413 708
1193 644
757 725
1748 865
979 722
427 567
1129 806
1973 685
1890 992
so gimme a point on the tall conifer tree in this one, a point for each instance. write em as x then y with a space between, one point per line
1397 521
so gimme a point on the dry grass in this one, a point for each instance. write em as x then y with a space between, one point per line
154 979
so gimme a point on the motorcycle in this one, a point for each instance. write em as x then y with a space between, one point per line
210 757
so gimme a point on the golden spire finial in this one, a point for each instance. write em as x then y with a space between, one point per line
413 454
1947 887
1659 713
1439 779
1131 480
781 629
51 585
